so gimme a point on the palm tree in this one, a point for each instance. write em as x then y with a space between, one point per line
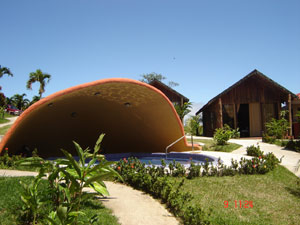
5 70
20 102
38 76
183 110
35 99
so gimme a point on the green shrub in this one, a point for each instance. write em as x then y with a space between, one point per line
254 151
277 128
221 136
293 145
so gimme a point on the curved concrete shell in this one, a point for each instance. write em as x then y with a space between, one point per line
135 117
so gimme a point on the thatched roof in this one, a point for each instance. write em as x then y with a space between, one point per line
253 73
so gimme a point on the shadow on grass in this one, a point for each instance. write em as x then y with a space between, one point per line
92 204
294 191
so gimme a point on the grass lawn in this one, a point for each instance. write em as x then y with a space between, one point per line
10 203
4 129
275 197
211 146
3 120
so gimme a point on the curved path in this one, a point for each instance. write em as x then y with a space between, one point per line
130 206
11 121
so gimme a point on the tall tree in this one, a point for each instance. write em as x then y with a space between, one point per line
20 102
5 70
35 99
149 77
38 76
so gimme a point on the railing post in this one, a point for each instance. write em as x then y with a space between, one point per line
173 144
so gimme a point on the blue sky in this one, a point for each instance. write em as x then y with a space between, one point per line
205 46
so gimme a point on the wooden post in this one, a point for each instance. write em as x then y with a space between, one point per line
234 116
220 113
290 115
181 101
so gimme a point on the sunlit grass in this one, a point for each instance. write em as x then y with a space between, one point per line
10 203
4 129
210 145
275 197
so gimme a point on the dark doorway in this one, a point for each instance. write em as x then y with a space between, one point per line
243 120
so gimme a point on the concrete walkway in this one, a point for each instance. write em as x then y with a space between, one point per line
11 121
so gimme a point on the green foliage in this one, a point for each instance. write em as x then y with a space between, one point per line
11 204
32 200
5 70
254 151
20 102
193 125
293 145
148 78
157 180
2 112
277 128
154 180
183 110
41 78
7 161
67 178
222 135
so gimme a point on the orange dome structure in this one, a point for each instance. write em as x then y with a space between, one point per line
134 116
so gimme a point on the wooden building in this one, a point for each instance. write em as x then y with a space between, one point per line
174 96
296 120
247 105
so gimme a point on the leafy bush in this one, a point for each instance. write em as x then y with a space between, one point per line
254 151
222 135
7 161
277 128
293 145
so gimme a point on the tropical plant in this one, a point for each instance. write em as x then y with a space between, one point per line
35 99
222 135
183 109
20 102
5 70
254 151
38 76
67 178
193 124
278 128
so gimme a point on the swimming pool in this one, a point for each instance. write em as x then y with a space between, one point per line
155 158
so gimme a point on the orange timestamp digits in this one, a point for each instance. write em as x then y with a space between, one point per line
239 204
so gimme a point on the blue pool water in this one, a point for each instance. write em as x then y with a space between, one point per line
155 158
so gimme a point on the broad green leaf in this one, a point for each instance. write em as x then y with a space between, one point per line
80 153
98 143
62 213
100 189
92 162
94 178
52 221
72 161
